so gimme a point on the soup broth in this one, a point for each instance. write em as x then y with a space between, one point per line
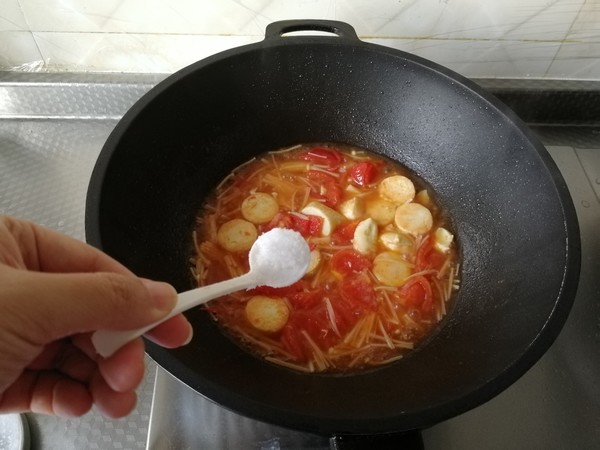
383 258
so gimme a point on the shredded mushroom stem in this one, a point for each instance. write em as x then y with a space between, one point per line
390 224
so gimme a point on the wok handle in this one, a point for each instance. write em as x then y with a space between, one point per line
410 440
276 30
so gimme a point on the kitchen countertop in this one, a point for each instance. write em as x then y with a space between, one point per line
52 128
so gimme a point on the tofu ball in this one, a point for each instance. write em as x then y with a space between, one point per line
413 218
268 314
391 269
397 189
237 235
259 207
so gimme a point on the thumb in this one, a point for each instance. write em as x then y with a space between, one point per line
60 305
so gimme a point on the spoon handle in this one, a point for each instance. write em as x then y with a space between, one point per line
106 342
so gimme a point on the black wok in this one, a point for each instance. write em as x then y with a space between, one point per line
513 216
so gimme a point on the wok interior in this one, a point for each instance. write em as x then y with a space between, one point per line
188 133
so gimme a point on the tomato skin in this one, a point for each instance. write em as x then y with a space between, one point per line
320 176
306 299
348 261
323 156
315 225
345 314
363 173
280 220
286 291
357 290
428 257
316 324
344 234
309 226
306 226
333 192
417 293
292 342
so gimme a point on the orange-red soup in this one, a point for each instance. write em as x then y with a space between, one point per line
383 258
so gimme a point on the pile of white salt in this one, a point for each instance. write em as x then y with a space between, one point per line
279 257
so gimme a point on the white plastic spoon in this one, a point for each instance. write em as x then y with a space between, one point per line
278 258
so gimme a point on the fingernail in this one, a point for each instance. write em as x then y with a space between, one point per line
163 296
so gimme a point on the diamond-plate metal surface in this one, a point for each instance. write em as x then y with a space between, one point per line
94 431
71 96
45 169
50 136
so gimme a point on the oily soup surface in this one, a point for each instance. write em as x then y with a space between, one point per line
383 258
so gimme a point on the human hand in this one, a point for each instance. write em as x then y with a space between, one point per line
55 291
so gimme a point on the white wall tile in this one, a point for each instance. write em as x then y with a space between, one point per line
506 19
222 17
586 26
18 51
576 60
180 16
11 16
481 58
130 52
235 17
69 15
503 38
274 10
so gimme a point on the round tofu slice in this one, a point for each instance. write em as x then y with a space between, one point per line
396 242
396 189
259 207
315 262
391 269
237 235
413 218
381 211
268 314
365 237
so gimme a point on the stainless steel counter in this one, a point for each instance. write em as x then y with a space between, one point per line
52 128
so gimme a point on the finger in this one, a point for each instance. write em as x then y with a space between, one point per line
84 343
70 398
172 333
54 306
124 370
46 250
109 402
67 359
46 393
